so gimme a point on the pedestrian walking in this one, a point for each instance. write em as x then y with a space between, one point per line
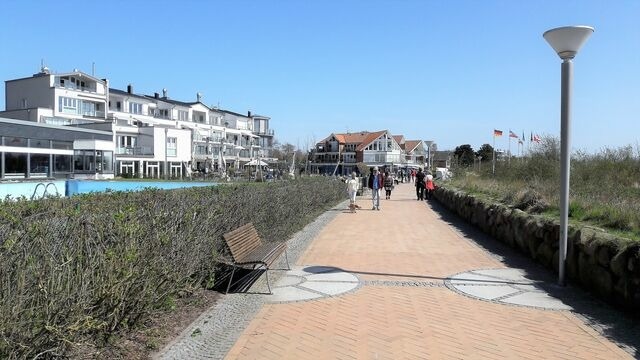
430 186
420 185
375 183
352 190
388 184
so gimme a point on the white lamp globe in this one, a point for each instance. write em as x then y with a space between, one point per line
567 40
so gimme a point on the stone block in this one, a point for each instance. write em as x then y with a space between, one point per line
544 254
618 264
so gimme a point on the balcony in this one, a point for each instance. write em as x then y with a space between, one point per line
267 132
135 150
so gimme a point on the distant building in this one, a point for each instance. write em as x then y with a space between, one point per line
340 153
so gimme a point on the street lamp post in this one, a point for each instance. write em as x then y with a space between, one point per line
566 41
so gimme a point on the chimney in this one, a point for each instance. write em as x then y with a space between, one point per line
248 113
156 95
199 96
129 88
164 93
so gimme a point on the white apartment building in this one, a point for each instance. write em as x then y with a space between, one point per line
153 135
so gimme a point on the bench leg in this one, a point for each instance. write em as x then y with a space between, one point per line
287 258
230 278
266 273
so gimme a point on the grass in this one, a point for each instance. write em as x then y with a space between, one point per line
604 187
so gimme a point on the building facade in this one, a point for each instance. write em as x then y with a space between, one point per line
152 135
340 153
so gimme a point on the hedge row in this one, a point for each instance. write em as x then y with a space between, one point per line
74 271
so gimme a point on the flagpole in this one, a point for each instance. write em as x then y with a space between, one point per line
493 171
509 147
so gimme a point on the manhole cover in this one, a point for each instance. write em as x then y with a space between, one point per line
505 286
312 282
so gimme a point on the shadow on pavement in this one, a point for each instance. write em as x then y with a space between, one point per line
614 324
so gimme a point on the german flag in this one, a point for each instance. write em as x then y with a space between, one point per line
497 133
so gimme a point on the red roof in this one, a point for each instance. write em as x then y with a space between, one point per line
369 139
411 145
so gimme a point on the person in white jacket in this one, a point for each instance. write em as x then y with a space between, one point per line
352 189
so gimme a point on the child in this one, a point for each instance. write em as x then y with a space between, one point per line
352 189
388 184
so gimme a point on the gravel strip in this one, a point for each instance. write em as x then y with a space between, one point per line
213 334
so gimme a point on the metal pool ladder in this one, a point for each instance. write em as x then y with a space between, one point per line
46 188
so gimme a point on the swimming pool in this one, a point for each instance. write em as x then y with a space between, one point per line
73 187
37 189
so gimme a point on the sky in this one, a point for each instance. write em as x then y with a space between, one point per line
446 71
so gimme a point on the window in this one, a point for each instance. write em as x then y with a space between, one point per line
39 164
15 163
43 144
183 115
66 145
62 163
135 108
104 161
67 105
15 141
172 146
118 105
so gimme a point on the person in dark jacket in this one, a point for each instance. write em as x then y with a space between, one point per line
388 184
420 184
376 183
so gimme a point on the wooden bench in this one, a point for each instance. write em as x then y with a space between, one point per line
248 251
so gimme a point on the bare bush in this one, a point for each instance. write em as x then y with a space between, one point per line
74 271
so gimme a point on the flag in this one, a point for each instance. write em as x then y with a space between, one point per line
520 142
536 138
531 137
512 134
497 133
523 138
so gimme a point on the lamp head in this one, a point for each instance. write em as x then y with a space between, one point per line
567 40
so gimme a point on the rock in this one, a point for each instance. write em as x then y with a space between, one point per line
618 264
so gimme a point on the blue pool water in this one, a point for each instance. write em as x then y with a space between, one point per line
36 189
74 187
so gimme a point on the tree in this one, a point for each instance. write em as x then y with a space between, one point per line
486 151
464 155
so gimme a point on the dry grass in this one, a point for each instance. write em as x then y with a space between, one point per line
604 188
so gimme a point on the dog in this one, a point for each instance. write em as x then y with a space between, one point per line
353 207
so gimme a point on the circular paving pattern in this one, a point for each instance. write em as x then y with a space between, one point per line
504 286
312 282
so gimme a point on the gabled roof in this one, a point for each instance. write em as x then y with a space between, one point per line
411 145
371 137
399 139
348 138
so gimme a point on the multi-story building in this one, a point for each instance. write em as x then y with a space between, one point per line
340 153
154 136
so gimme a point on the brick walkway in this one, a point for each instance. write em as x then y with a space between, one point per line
402 254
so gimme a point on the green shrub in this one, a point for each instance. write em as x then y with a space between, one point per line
76 270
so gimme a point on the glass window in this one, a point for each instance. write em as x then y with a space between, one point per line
66 145
39 164
15 163
183 115
44 144
67 105
15 141
62 163
84 161
107 161
89 161
135 108
172 146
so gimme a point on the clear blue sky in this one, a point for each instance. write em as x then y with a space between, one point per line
448 71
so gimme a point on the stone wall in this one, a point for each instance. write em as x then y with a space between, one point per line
601 262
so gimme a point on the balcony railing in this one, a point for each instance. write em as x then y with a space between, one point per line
134 150
267 132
